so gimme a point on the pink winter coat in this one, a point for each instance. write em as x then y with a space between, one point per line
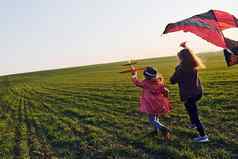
153 100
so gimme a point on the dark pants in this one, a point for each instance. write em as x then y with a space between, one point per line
191 108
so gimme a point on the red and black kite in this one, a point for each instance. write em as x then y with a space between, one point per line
209 26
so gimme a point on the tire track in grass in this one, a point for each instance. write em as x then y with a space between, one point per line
15 116
94 104
33 151
69 91
96 96
38 127
17 148
22 118
42 130
43 149
21 149
7 131
37 147
103 100
106 110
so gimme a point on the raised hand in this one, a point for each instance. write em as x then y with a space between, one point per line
133 70
183 44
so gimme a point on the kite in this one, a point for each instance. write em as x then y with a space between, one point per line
209 26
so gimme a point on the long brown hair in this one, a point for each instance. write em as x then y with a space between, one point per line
189 60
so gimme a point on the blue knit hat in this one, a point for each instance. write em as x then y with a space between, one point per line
150 72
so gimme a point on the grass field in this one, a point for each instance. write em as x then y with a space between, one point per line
91 112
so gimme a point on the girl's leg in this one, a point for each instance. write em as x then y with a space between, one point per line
153 120
158 126
187 106
193 113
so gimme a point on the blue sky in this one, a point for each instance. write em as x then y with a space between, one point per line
48 34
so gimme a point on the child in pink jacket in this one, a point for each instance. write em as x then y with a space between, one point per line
154 98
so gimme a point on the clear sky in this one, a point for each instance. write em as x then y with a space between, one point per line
48 34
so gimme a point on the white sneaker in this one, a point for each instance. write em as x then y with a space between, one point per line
201 139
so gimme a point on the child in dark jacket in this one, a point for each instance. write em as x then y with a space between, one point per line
186 75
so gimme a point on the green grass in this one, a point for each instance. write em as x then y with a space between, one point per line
92 112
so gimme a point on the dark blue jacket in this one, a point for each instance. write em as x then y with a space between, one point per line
188 81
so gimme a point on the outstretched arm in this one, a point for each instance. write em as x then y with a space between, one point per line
135 79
